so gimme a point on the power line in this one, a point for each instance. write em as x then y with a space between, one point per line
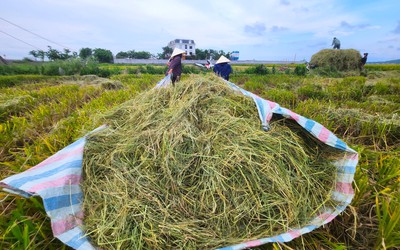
19 39
35 34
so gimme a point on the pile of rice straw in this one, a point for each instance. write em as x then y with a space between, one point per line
190 167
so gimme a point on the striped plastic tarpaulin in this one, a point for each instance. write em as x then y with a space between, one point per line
57 181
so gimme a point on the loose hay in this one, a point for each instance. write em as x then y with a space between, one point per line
190 167
340 59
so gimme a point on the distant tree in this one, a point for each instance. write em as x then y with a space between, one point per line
34 53
84 53
121 55
41 54
65 55
142 55
167 52
131 54
201 54
103 55
38 54
26 59
53 54
210 53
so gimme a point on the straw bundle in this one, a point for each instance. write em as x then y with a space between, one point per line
190 167
341 59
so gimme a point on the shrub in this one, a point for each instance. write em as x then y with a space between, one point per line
51 69
300 70
20 69
260 69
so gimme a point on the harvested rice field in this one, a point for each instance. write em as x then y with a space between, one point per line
201 150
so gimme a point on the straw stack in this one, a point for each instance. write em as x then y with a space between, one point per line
189 167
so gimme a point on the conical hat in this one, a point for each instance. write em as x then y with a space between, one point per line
177 52
222 59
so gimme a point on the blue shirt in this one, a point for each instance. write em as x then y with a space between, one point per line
223 70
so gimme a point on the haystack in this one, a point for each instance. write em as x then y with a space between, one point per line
339 59
189 167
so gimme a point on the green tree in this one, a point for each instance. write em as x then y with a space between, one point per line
38 54
142 55
201 54
103 55
41 54
53 54
65 55
300 70
210 53
167 51
134 54
121 55
130 54
34 53
84 53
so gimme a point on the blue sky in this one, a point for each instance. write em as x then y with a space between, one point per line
259 29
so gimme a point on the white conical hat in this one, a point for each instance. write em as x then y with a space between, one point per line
222 59
177 52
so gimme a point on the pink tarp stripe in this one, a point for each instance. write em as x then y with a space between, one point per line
324 134
61 226
344 187
271 104
352 156
327 217
67 180
295 116
253 243
56 157
294 233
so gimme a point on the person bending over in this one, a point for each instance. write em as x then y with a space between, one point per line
223 68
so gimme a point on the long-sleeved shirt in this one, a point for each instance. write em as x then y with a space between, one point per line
176 65
223 70
335 41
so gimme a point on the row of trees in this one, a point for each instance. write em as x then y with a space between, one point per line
133 55
101 55
52 54
210 54
106 56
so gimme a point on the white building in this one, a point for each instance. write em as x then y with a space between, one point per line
185 44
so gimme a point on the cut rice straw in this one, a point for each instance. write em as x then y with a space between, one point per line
189 167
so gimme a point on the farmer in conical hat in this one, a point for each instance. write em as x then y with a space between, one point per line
223 68
175 65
